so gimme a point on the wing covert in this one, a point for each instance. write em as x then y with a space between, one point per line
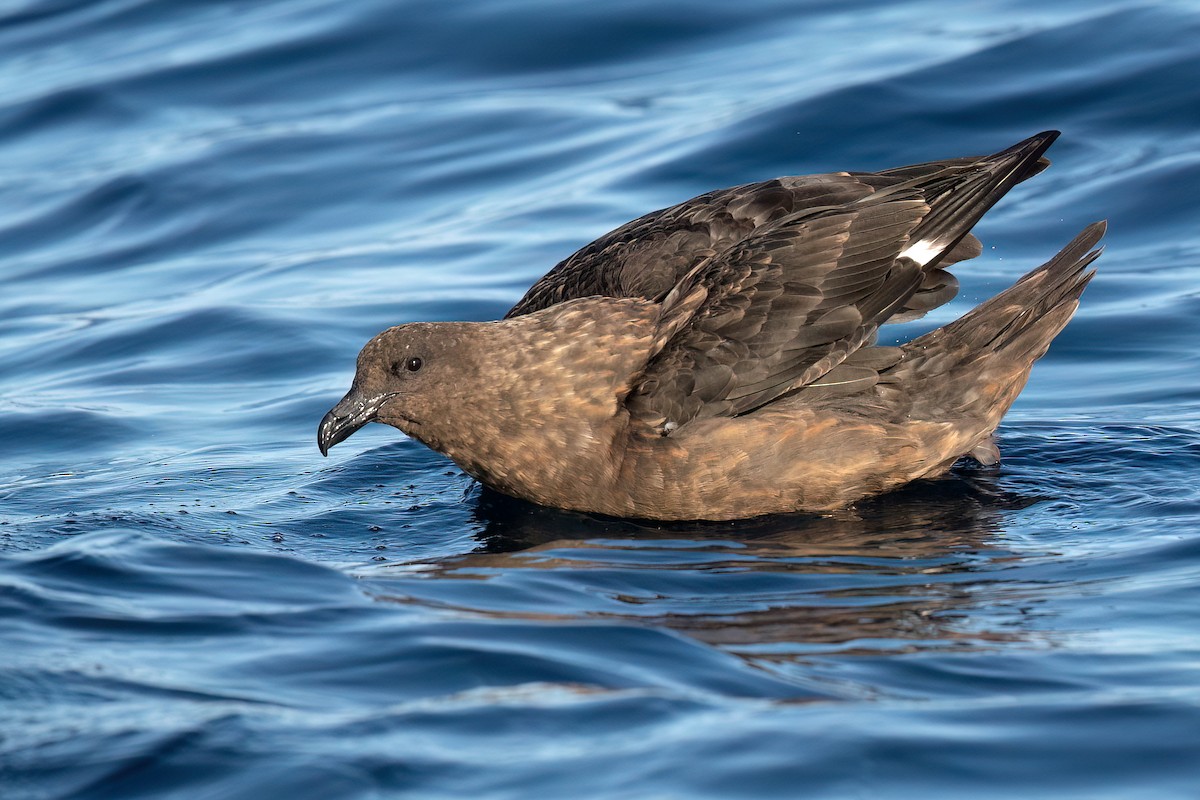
779 309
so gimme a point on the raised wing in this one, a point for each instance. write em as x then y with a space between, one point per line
792 306
648 256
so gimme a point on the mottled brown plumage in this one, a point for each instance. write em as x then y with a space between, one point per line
717 359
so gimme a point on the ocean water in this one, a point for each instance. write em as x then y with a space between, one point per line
206 208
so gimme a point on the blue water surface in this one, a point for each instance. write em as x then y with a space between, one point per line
207 207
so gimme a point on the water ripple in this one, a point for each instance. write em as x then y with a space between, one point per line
208 209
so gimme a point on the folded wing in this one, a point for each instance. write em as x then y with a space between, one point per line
796 304
779 310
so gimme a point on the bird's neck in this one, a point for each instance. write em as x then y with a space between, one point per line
544 411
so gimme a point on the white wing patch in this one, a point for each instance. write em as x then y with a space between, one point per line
923 251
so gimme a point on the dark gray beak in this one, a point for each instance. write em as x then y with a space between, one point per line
351 413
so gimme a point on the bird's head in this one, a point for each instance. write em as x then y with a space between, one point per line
403 378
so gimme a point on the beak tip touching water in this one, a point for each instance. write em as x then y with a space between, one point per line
325 433
334 429
351 413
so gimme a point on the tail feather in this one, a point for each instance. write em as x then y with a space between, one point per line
979 363
965 376
1020 321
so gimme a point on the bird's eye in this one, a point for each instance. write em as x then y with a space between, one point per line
410 364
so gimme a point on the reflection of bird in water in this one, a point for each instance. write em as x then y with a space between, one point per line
924 518
888 575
